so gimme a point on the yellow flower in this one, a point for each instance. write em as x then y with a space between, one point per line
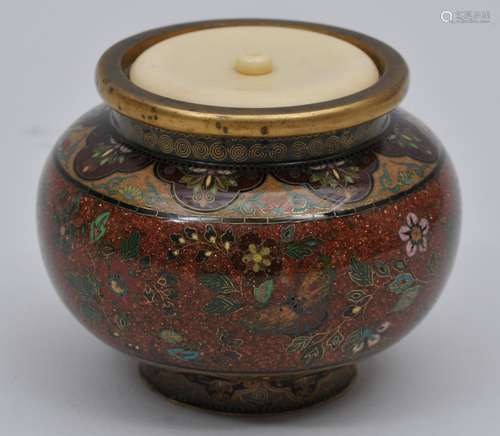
256 258
117 285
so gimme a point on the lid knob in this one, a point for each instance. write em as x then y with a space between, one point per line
254 64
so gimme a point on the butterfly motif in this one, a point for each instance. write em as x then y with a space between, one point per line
303 310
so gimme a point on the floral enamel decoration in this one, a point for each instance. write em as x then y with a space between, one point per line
341 181
117 285
200 188
207 189
365 338
405 139
105 154
414 233
257 258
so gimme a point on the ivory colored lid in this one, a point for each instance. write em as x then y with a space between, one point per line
254 67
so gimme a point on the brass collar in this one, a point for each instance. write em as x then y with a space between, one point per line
122 95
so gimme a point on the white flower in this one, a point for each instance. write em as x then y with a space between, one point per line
414 234
373 340
358 347
383 327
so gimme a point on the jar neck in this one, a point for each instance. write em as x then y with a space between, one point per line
226 150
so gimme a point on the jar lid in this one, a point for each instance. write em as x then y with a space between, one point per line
131 102
253 67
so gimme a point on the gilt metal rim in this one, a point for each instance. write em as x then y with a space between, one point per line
122 95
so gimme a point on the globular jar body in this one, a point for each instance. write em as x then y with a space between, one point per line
254 287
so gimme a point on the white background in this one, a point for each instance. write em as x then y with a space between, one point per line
56 379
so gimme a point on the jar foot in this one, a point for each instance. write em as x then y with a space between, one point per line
244 394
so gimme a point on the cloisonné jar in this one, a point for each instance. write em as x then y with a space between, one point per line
248 257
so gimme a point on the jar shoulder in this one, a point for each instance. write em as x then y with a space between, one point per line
95 157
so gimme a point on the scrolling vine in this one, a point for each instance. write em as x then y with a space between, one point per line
369 279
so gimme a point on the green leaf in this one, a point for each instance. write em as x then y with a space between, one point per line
287 233
145 261
298 344
352 339
406 300
98 227
399 265
86 285
222 304
313 353
263 292
356 295
90 312
121 320
360 272
72 208
183 354
336 340
129 248
402 282
381 269
217 282
90 286
168 279
171 336
311 242
432 263
297 251
190 180
327 268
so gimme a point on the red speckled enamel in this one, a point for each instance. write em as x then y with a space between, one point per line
229 343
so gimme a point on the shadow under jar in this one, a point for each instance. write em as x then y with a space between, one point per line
249 254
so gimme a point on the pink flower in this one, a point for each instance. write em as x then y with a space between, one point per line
414 234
